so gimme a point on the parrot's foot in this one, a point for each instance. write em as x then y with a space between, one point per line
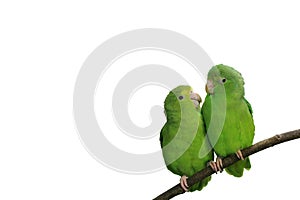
219 163
240 155
183 183
213 165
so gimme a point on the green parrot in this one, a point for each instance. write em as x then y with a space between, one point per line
228 117
183 135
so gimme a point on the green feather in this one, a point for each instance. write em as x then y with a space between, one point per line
228 116
183 135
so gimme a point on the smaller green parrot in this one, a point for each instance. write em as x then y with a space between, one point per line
228 117
183 135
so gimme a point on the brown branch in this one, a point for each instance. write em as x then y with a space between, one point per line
229 160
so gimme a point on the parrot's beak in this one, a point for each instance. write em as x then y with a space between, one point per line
209 87
196 99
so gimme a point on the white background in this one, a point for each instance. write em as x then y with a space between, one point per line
43 45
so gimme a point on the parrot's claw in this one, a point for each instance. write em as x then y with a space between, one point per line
219 163
213 165
183 183
240 155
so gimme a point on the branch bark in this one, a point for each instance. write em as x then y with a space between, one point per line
229 160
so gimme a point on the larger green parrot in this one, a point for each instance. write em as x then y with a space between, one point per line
228 117
183 135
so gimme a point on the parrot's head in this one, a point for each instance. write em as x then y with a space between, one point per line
224 78
182 98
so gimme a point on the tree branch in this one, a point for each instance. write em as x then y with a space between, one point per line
229 160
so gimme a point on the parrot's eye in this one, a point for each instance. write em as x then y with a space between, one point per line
223 80
180 97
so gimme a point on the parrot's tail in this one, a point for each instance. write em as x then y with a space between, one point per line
237 169
199 186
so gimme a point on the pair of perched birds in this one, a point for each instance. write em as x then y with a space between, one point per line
223 125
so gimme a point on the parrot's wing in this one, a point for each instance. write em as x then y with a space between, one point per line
249 106
161 136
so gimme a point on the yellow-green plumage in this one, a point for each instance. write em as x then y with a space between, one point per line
228 116
183 135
